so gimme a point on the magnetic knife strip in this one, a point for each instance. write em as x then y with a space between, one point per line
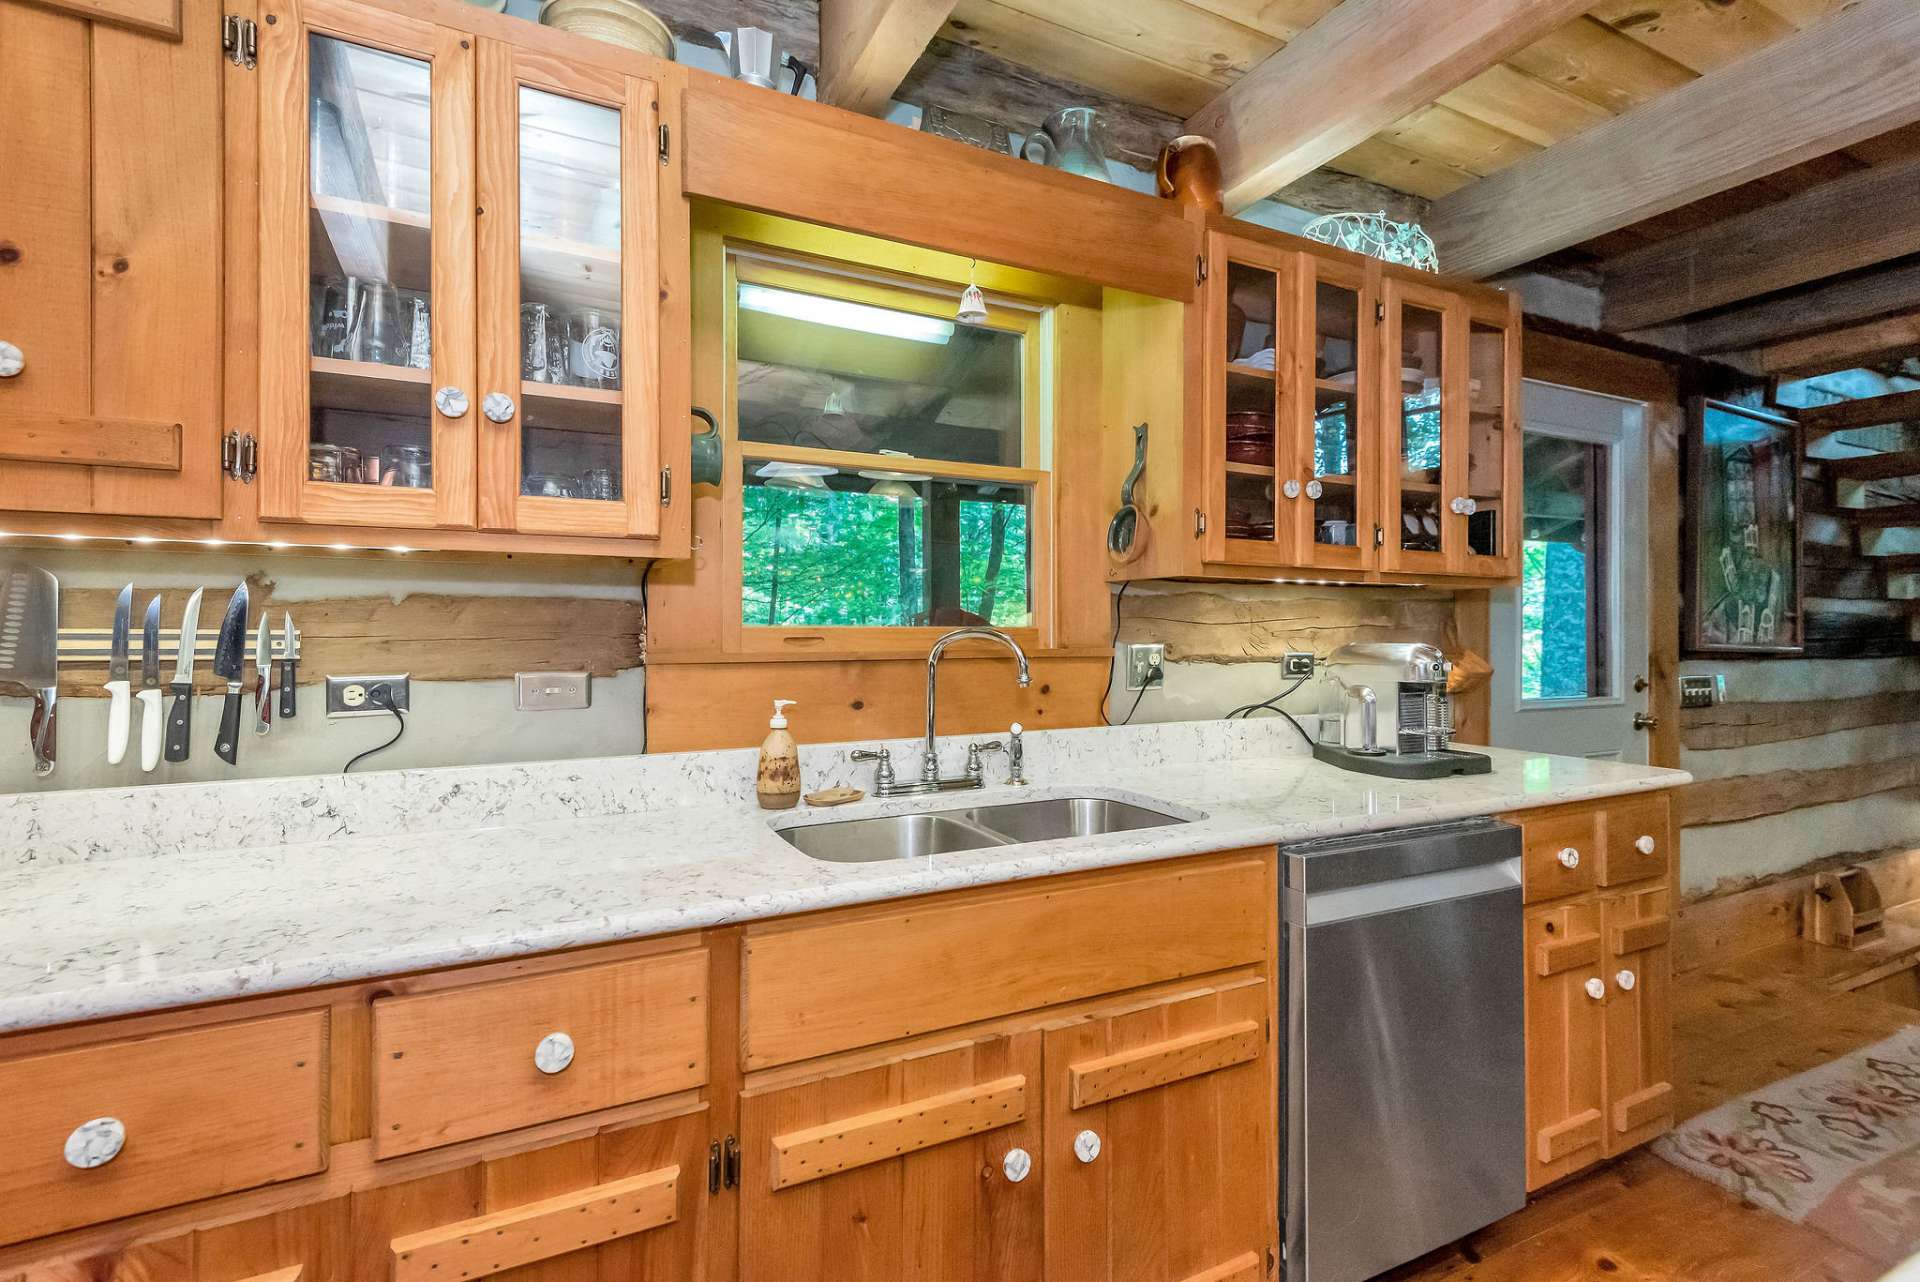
94 646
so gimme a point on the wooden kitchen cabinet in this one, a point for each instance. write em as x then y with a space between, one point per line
1319 411
110 277
1599 979
461 295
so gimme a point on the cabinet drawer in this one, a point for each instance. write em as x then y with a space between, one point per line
1561 852
454 1065
1639 840
868 977
203 1112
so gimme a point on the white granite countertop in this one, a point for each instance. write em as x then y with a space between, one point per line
100 916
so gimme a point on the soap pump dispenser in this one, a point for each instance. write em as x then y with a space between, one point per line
778 781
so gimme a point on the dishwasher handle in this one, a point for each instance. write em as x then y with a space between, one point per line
1403 894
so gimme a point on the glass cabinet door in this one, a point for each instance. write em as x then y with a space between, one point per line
1421 427
1492 442
569 441
1325 491
1250 324
367 357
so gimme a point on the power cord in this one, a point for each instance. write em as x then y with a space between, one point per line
1112 659
1273 705
1153 674
380 696
645 624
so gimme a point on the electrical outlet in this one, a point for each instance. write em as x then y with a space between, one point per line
552 691
1703 692
348 696
1145 669
1296 664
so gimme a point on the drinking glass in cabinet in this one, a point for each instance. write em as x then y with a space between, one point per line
1420 435
570 302
370 263
1336 433
1486 437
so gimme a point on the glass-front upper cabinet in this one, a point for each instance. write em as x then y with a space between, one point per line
1250 323
367 270
1333 450
1490 544
1420 393
569 421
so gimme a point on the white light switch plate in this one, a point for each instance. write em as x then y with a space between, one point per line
552 691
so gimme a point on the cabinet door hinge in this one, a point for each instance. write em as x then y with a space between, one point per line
666 487
730 1173
713 1168
239 456
1199 523
666 144
1379 312
240 40
1200 269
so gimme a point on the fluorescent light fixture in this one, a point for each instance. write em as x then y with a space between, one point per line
844 315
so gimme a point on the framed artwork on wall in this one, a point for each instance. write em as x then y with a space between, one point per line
1741 532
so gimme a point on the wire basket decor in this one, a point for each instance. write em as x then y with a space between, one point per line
1378 236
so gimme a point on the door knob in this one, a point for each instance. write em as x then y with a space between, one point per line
1569 857
1086 1145
1595 988
1626 981
1016 1165
1642 721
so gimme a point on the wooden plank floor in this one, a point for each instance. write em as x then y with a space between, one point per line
1763 1017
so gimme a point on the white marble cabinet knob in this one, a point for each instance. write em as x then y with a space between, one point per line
1086 1145
96 1143
1569 857
554 1053
1016 1165
451 402
498 407
1291 489
1644 843
1626 981
1596 988
11 360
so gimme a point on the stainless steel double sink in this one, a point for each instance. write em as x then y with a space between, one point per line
939 832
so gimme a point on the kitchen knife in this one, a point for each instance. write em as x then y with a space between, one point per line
119 693
180 715
262 678
149 693
287 674
30 651
230 661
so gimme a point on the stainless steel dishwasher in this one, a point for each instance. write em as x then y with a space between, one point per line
1403 1100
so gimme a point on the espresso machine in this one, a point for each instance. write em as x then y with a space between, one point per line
1387 712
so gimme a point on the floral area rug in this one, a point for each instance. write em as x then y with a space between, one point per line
1836 1148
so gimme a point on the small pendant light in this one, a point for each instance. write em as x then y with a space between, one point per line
973 303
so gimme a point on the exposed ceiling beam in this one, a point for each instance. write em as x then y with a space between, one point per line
1868 411
1836 227
1837 349
1847 77
867 47
1874 467
1828 306
1360 68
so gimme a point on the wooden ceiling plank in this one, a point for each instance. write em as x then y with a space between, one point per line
1700 36
1521 105
1380 161
1836 349
867 47
1811 236
1593 61
1870 411
1875 467
1365 65
1804 12
1281 19
1855 75
1840 303
1457 141
1047 47
1170 32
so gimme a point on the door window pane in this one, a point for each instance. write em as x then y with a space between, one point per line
1420 366
1252 303
370 237
570 316
1486 436
1564 608
825 372
1336 437
872 547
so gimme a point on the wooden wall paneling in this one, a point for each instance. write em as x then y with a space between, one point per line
1743 725
786 155
156 345
45 291
1082 505
865 699
1743 122
1737 797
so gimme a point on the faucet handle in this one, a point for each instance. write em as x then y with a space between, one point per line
885 758
975 751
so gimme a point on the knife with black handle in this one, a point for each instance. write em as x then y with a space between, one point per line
288 676
180 713
229 661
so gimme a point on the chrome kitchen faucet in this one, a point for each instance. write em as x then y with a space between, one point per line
887 785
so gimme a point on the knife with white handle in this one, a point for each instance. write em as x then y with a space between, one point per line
119 692
149 693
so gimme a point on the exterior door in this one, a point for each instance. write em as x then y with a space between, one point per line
900 1170
1249 323
569 298
367 388
1423 406
1159 1144
1331 444
1570 643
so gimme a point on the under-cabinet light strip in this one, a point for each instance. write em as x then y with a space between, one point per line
149 540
